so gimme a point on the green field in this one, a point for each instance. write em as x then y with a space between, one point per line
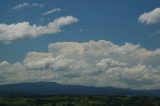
80 101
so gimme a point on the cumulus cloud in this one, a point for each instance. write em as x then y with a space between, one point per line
52 11
151 17
25 5
96 63
11 32
17 73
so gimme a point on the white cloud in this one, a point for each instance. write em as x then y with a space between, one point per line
25 5
11 32
151 17
37 60
37 5
100 63
17 73
52 11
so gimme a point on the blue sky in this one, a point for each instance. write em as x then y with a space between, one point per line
112 20
34 28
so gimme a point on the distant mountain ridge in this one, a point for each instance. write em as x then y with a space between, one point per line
52 88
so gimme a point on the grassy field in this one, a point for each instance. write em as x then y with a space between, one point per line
80 101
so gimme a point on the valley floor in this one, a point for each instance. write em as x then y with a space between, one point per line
80 101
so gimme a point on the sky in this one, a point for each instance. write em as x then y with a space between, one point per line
98 43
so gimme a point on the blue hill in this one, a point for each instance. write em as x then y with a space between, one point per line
52 88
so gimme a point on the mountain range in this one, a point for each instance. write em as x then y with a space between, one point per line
52 88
